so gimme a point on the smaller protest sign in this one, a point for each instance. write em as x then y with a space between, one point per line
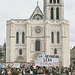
9 65
16 65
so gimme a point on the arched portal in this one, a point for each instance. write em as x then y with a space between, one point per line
20 59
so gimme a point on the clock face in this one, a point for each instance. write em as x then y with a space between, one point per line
38 30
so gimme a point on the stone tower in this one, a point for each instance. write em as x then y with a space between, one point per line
54 16
53 9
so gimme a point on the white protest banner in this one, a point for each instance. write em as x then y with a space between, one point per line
16 65
48 60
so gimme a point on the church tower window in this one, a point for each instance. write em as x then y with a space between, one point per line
54 1
37 17
57 13
55 51
58 1
37 45
52 13
57 37
23 37
17 37
52 37
20 52
50 1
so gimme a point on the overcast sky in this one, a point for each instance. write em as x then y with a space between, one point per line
22 9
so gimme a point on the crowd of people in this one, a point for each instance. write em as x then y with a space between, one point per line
38 71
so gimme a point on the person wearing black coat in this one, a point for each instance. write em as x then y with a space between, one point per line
46 71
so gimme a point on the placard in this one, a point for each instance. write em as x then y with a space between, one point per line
48 60
16 65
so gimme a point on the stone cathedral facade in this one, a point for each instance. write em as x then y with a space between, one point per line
43 33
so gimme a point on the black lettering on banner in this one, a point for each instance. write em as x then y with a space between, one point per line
47 59
40 56
46 56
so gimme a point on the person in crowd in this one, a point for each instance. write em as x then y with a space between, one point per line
73 72
50 73
9 72
71 69
57 71
6 72
31 71
31 67
67 71
20 73
53 70
15 72
3 72
35 71
62 69
47 71
23 71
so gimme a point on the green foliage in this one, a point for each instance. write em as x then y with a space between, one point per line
1 54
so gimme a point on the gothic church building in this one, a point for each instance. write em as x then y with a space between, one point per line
43 33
